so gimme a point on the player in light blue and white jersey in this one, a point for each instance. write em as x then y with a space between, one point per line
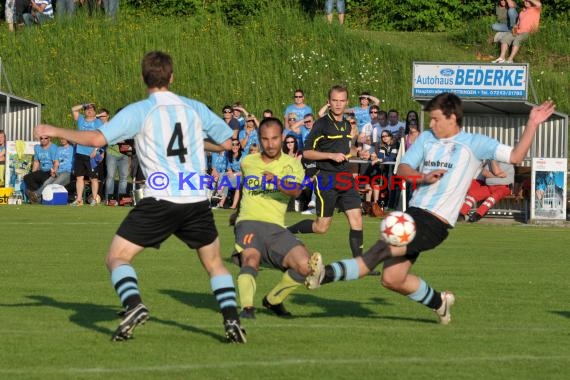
442 162
171 133
168 129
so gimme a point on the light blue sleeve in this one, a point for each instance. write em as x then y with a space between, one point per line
127 123
213 126
484 147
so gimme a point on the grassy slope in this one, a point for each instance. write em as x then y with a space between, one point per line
81 60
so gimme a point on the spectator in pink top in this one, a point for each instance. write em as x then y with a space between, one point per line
529 20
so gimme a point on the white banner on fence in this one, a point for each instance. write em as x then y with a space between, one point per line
548 189
478 81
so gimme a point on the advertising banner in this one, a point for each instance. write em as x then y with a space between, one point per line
476 81
548 189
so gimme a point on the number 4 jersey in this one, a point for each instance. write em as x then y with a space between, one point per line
169 133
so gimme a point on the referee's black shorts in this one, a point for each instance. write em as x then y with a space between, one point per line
335 190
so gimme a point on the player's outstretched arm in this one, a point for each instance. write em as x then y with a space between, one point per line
210 146
539 114
89 138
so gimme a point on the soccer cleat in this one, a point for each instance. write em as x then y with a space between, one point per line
278 309
444 314
313 280
234 332
132 318
474 218
247 313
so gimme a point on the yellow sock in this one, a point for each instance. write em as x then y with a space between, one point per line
246 287
282 289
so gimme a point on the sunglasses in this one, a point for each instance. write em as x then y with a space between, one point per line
44 138
373 111
298 96
292 119
227 111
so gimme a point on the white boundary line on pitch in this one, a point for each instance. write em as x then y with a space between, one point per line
280 363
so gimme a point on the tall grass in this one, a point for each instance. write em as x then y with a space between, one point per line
260 64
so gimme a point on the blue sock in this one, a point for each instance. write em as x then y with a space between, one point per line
425 295
225 292
125 282
344 270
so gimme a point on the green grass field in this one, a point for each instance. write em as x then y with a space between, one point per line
58 308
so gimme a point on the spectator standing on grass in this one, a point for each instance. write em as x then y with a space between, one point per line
411 117
232 174
529 21
298 107
437 199
86 121
266 113
228 115
171 134
64 8
340 9
396 127
44 165
249 135
381 125
111 7
10 14
238 114
114 159
41 11
329 144
293 127
362 112
260 232
388 152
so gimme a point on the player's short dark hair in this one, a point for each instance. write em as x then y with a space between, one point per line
448 103
338 88
157 69
270 121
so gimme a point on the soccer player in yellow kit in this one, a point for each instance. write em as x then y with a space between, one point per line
270 178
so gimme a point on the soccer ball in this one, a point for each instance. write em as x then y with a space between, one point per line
398 228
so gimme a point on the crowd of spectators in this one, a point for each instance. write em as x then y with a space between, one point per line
38 12
377 135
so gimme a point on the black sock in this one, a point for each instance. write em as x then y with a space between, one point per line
435 302
230 313
376 254
303 227
329 275
356 240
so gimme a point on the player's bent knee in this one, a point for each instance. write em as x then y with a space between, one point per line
391 282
